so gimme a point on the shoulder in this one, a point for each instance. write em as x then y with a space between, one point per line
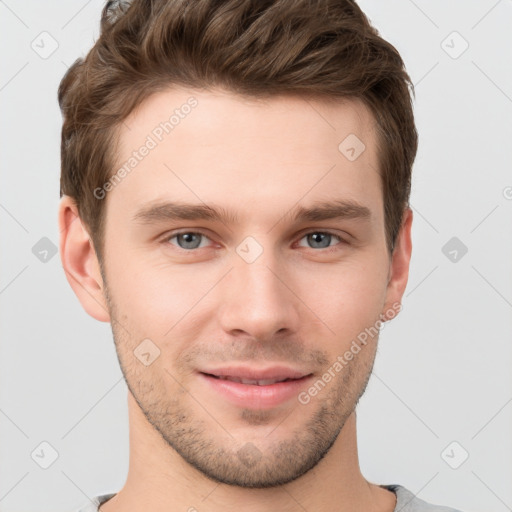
94 503
406 501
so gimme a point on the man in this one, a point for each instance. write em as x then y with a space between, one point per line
235 182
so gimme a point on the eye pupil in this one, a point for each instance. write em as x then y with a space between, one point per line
188 239
317 238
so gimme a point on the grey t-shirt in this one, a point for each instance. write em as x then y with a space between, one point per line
405 502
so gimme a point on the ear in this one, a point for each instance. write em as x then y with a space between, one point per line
80 262
399 268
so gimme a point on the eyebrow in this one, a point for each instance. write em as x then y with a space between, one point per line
172 211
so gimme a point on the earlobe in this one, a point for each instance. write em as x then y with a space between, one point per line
80 262
399 268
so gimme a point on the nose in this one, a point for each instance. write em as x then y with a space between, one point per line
258 299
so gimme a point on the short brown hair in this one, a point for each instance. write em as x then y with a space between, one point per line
323 49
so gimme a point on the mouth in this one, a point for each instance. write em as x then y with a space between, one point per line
251 382
255 388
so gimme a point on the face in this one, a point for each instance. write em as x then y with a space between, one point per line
245 253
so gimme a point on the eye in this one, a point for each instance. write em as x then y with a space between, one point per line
321 239
188 240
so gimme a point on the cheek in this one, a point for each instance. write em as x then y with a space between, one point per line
160 299
347 298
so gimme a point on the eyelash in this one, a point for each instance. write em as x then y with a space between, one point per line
169 236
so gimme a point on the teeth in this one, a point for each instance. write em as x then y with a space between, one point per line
261 382
264 382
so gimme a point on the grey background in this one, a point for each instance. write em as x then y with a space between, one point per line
442 373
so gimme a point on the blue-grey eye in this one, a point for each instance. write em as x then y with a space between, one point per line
188 240
320 239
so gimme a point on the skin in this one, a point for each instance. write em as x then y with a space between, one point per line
297 304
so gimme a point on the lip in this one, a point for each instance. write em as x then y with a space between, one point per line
254 396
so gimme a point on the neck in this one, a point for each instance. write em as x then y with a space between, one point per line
160 480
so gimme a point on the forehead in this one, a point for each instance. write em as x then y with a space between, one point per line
243 153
